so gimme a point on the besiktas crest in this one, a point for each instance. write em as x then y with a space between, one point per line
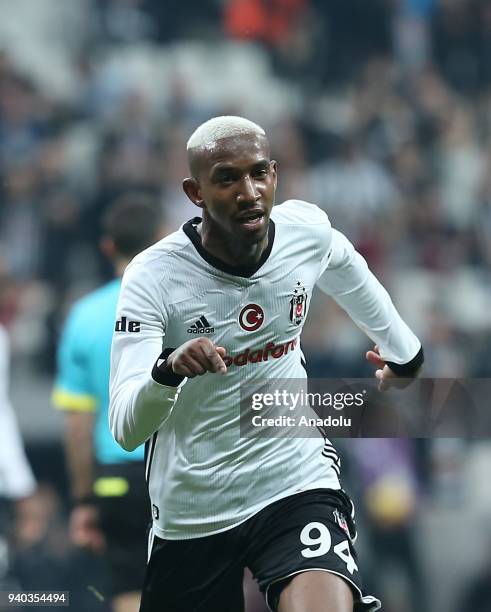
298 304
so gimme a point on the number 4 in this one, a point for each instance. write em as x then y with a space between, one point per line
344 553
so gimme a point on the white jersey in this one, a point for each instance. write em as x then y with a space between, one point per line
203 477
16 477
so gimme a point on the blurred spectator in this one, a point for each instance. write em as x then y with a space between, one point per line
269 22
477 593
40 542
43 560
17 482
360 197
22 224
412 33
124 21
385 471
456 43
16 478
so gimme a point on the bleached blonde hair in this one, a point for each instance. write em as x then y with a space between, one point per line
222 127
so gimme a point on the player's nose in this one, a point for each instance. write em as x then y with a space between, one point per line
248 192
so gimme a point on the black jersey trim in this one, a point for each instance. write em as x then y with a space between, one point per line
408 369
332 454
335 467
328 452
189 229
149 451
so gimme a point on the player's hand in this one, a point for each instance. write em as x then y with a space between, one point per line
84 528
197 357
386 377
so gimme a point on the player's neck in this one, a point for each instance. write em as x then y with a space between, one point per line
231 251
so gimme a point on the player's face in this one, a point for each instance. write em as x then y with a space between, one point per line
236 188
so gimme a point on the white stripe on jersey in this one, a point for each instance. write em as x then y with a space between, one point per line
204 477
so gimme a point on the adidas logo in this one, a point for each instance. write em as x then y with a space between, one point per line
201 327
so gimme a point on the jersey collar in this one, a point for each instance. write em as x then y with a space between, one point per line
189 229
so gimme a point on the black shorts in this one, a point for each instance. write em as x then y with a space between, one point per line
313 530
124 513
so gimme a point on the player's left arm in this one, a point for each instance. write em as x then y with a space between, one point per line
398 354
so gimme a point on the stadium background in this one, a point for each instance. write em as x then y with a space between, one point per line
378 110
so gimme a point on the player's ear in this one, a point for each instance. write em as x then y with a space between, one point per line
274 169
193 191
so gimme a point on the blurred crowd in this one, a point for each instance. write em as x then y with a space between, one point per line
379 112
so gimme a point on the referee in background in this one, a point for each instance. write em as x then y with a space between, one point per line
110 511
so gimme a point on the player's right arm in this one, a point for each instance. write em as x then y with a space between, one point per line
145 379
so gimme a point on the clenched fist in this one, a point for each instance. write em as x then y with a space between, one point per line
197 357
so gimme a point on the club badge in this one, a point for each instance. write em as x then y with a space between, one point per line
298 304
341 521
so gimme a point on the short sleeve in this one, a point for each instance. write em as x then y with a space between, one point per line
73 389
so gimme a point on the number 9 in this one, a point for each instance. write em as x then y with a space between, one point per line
322 541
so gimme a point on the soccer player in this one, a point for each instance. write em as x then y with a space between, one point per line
238 282
110 502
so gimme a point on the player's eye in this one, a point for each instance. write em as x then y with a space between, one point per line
226 179
260 173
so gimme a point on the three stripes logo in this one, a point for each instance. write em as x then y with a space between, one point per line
201 326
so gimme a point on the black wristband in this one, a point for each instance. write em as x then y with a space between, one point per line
164 375
409 369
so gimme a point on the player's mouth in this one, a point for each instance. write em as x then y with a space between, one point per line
252 219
